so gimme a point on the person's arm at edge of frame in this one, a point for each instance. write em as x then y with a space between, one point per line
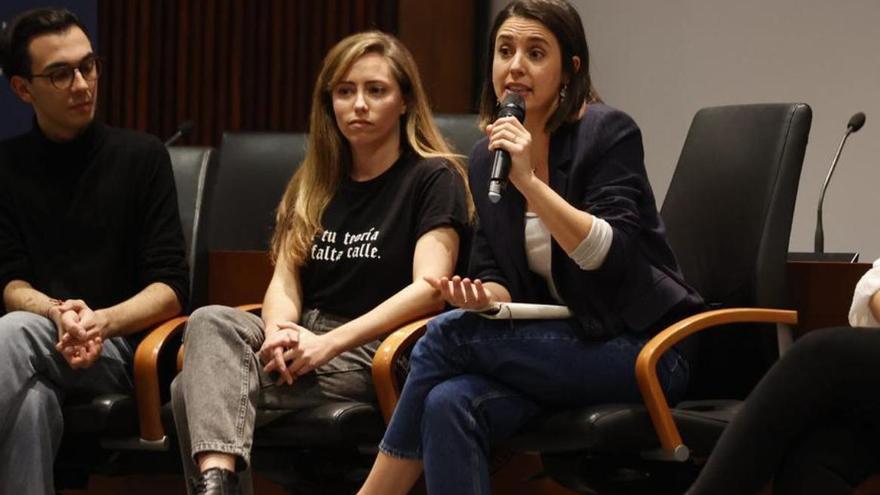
865 308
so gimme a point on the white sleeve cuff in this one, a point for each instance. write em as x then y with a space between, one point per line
860 312
592 251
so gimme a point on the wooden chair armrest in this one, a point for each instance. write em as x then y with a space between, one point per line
384 379
646 364
146 377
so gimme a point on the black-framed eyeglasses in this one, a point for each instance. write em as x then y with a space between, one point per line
62 77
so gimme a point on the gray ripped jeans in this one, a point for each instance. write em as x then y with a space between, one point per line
222 384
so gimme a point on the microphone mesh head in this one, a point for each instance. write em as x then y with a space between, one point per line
513 106
856 122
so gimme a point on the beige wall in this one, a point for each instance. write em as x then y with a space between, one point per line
662 60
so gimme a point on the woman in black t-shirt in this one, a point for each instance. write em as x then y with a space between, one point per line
378 205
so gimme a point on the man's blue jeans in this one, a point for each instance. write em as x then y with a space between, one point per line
35 380
475 381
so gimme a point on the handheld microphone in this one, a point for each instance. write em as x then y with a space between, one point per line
511 106
855 123
183 129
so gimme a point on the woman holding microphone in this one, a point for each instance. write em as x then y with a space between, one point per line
579 227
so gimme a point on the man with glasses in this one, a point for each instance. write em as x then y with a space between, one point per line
91 247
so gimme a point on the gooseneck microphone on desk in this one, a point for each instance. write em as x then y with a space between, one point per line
511 106
855 123
183 129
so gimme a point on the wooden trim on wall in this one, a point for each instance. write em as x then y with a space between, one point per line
442 39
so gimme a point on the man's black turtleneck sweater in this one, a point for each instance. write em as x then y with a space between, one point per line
94 218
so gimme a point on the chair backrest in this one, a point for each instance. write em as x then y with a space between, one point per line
728 215
252 173
192 165
460 130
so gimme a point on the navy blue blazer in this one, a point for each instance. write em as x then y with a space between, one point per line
597 165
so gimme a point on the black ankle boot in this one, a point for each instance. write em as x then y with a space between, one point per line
217 481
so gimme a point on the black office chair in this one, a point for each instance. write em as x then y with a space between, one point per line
127 430
728 214
327 449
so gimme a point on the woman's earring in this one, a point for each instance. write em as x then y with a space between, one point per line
562 92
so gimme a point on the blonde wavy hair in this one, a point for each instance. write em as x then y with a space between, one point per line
328 157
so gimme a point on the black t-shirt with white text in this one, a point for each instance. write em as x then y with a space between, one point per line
365 253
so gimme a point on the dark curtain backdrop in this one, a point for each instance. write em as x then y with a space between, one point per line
224 64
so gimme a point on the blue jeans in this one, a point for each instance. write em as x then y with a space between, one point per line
475 381
35 381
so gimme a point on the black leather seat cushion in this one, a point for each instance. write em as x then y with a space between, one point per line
623 428
328 425
111 414
335 423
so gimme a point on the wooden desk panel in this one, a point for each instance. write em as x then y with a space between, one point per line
238 277
821 292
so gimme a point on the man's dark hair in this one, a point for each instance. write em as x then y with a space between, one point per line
15 59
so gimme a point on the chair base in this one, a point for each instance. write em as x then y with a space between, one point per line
619 475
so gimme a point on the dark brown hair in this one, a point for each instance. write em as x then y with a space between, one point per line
561 19
15 59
